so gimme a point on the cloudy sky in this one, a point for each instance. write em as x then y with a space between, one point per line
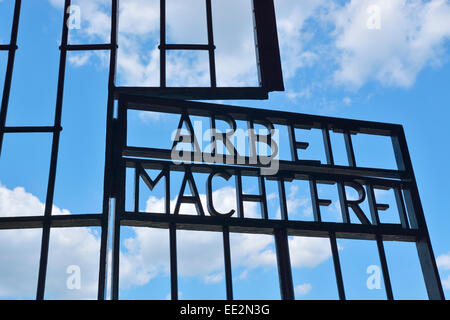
365 59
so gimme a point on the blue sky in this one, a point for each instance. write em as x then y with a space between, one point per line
336 62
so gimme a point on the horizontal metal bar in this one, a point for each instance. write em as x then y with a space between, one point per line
195 93
256 172
187 47
56 221
32 129
7 47
82 47
390 232
296 167
298 120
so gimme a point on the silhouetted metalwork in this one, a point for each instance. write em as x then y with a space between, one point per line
119 156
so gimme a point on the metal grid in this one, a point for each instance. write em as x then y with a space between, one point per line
412 226
267 55
118 157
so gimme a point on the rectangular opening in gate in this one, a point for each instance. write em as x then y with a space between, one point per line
24 168
254 267
312 269
81 156
34 85
361 270
20 252
374 151
405 271
73 264
144 264
201 271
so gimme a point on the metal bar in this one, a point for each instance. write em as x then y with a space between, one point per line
417 219
54 158
194 108
57 221
7 47
9 70
173 261
239 200
372 205
337 266
327 145
227 261
314 200
193 93
83 47
205 47
162 44
283 200
136 189
211 47
349 149
305 167
250 225
263 197
384 268
284 265
32 129
401 207
115 263
107 181
267 48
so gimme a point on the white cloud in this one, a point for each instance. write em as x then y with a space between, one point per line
411 37
443 261
303 289
20 251
446 283
309 252
141 260
248 251
291 18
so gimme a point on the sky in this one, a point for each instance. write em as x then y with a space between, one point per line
375 60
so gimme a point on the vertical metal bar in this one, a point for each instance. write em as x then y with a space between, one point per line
283 202
162 47
284 264
314 200
262 192
116 250
173 261
384 268
212 59
349 149
227 259
372 206
267 48
343 202
327 145
136 188
417 219
107 181
9 70
54 158
167 192
240 202
337 266
401 208
292 143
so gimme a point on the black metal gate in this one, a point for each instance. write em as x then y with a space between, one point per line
119 156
